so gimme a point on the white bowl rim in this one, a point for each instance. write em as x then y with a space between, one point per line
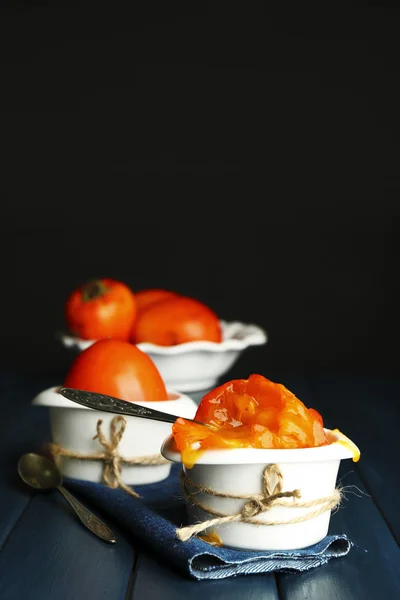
50 397
243 456
247 334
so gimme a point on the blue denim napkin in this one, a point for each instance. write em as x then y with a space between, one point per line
154 517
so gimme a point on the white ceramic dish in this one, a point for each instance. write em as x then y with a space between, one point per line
194 366
313 471
73 427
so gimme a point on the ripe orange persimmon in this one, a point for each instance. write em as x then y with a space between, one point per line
118 369
177 320
146 297
99 309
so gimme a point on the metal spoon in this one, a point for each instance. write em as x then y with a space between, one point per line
42 474
120 407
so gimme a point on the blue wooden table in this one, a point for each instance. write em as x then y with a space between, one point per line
45 554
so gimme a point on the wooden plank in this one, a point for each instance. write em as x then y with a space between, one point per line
70 562
368 411
359 575
370 575
49 554
27 433
351 405
16 395
23 428
157 581
13 400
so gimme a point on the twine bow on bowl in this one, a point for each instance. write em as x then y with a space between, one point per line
255 504
111 457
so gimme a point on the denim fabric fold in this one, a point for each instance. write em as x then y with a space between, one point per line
153 518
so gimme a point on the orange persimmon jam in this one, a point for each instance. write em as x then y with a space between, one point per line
249 413
336 436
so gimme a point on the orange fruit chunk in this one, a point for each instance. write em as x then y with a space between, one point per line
249 413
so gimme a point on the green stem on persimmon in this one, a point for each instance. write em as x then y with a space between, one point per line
93 289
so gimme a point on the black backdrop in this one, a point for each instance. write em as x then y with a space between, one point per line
241 154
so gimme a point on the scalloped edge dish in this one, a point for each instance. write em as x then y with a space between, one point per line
236 336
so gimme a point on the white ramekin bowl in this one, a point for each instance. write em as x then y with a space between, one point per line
73 427
313 471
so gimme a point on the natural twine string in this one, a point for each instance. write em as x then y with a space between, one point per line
113 461
255 504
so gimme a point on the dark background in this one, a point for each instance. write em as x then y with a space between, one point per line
243 154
